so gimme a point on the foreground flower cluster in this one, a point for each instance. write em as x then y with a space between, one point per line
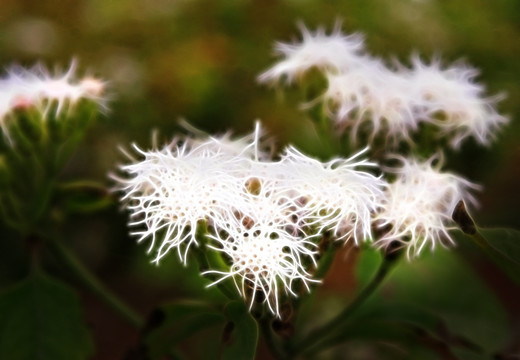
367 98
265 218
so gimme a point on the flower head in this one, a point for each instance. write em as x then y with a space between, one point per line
334 52
268 250
419 205
372 99
453 101
37 87
335 195
187 181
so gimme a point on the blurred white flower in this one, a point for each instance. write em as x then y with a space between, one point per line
335 52
419 205
453 101
371 99
367 98
335 196
267 249
37 87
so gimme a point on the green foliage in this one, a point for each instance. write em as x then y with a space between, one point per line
241 333
83 197
40 318
177 322
40 145
433 284
501 245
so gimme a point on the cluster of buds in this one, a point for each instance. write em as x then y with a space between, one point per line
43 116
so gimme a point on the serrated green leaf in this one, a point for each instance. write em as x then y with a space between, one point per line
40 318
240 343
178 322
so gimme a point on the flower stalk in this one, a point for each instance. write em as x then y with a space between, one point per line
94 285
311 343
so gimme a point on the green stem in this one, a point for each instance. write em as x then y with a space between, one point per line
267 333
208 259
204 266
94 285
315 337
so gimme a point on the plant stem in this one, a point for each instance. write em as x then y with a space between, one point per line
267 333
94 285
313 339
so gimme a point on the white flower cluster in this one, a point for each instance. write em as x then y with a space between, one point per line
37 87
263 216
365 95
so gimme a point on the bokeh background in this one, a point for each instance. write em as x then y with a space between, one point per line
198 59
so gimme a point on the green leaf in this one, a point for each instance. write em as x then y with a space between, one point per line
367 264
505 242
40 318
84 197
445 286
501 245
173 323
241 334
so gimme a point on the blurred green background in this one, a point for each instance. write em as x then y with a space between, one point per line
199 59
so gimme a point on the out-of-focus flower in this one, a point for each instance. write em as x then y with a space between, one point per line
367 98
419 206
335 52
335 195
453 101
371 99
37 87
268 250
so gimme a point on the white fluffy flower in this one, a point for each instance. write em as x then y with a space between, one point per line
171 190
39 88
420 203
190 180
371 99
268 251
335 196
368 98
453 101
335 52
